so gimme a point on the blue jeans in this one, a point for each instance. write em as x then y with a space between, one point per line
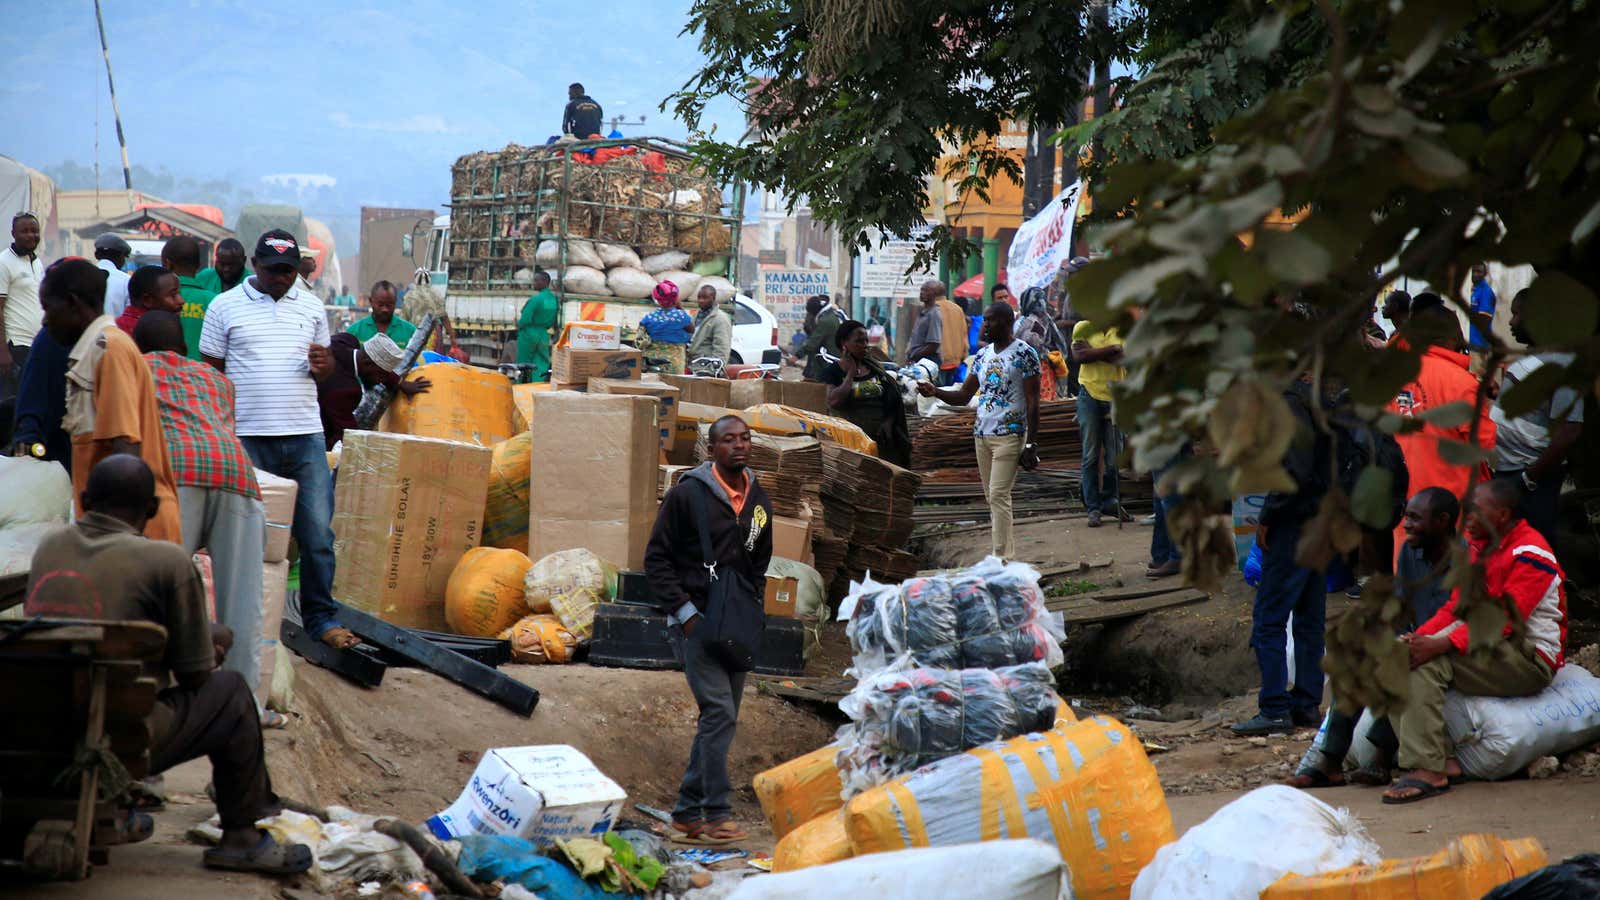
1162 549
1099 434
1287 588
303 458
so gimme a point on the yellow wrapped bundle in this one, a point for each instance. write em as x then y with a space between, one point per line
540 638
1466 869
505 507
1086 787
484 595
818 842
829 428
799 790
465 404
571 584
522 403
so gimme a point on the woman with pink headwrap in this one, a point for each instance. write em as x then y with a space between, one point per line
667 329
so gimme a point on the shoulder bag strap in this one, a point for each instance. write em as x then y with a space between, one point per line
702 512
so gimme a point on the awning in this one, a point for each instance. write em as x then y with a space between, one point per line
159 222
974 289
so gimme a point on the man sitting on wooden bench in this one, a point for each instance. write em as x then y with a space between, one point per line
103 567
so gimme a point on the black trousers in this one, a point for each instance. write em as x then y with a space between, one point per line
219 721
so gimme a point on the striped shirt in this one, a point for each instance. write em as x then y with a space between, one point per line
264 344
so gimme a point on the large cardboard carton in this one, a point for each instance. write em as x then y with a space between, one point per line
465 403
405 510
277 495
571 367
591 336
807 395
274 594
594 476
781 597
666 394
522 403
535 793
697 389
791 539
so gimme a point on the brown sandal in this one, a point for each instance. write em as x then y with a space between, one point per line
722 831
687 832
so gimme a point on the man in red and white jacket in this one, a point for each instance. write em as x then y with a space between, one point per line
1519 567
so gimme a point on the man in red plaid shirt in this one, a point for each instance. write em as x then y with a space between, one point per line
218 498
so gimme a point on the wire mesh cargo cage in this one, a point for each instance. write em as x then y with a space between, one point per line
523 209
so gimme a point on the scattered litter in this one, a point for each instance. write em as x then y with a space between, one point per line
762 862
1543 767
660 815
708 856
1153 747
539 793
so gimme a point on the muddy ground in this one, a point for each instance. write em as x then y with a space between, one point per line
1178 677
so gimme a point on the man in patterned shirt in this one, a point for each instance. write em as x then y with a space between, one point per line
1005 376
218 498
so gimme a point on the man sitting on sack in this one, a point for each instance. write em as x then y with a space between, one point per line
1519 569
707 562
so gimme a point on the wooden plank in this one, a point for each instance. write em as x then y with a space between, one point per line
1084 612
827 691
514 695
1136 592
89 784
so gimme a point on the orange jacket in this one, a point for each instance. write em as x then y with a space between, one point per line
1444 379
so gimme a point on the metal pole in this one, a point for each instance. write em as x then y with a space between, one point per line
105 51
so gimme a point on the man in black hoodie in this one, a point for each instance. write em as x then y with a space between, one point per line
582 115
723 496
1288 588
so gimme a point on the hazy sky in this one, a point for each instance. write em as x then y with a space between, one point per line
379 97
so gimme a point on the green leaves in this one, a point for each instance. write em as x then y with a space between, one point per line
1458 454
1559 309
1449 415
1293 257
1264 36
1434 161
1373 501
1532 391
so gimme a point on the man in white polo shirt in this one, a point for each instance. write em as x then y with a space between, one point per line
111 254
21 316
271 340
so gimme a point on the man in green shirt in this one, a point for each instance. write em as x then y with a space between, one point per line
383 320
539 315
228 271
181 255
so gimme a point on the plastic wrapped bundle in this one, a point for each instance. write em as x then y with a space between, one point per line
907 718
986 617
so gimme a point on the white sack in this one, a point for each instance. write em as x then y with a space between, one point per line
1015 870
724 287
688 283
614 255
657 263
584 280
630 283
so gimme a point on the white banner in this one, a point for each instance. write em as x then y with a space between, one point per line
883 269
1043 242
784 293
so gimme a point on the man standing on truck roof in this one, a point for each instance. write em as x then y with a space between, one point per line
382 320
539 315
582 117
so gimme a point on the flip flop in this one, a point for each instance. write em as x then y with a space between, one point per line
1425 791
272 720
687 832
719 833
267 857
1369 777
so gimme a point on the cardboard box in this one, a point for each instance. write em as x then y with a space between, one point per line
465 403
277 495
535 793
707 391
791 538
594 475
570 367
522 398
782 596
811 396
274 594
406 509
591 336
666 394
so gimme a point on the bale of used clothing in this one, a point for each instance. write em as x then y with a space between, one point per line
903 719
571 584
989 616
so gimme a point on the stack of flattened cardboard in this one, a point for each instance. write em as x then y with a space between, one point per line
406 510
884 564
594 475
882 493
787 465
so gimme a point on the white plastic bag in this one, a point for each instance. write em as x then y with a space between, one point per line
685 200
1254 841
585 280
1015 870
1499 736
548 254
630 283
688 284
656 263
724 287
614 255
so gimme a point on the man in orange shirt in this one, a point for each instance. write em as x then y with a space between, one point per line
111 400
1443 379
